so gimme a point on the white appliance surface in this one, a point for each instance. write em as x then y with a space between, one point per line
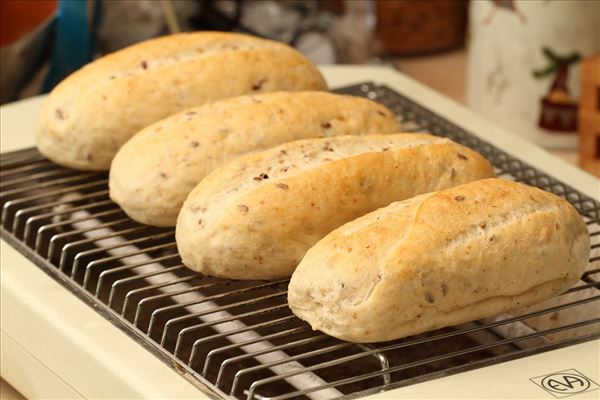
55 346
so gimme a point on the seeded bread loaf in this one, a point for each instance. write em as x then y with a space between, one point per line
255 217
440 259
153 173
90 114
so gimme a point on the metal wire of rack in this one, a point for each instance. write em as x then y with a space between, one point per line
239 338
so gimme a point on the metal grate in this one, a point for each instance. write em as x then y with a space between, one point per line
238 338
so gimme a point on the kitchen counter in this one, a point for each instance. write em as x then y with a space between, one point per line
8 392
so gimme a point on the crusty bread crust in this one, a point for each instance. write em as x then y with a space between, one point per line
440 259
153 173
255 217
94 111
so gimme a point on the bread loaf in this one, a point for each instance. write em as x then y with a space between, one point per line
255 217
90 114
153 173
440 259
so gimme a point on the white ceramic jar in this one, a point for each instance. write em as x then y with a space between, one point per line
524 64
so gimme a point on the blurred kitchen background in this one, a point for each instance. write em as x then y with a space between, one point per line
516 62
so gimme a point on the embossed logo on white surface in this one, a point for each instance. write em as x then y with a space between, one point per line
565 383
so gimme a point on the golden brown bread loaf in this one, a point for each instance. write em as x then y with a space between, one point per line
440 259
153 173
255 217
89 115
